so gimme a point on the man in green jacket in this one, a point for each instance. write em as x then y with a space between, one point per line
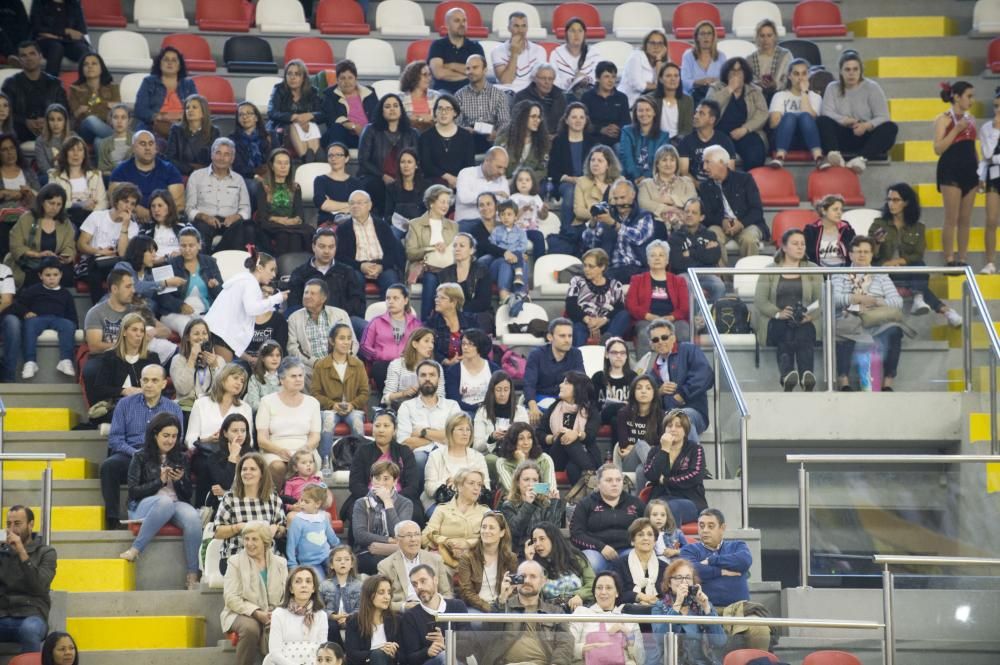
27 567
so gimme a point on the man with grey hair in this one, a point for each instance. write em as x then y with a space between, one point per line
490 176
485 108
681 372
448 55
732 206
543 89
623 231
218 203
515 59
149 172
368 245
397 566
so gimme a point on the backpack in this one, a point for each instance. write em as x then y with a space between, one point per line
342 455
732 317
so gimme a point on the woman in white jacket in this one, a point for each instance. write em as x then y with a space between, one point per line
444 463
231 317
590 636
300 625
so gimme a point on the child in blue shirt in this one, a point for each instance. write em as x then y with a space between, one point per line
509 273
310 535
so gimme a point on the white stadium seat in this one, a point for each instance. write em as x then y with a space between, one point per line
383 87
124 49
633 20
749 13
305 175
258 91
615 51
373 57
861 219
129 87
986 16
736 48
544 277
530 312
231 262
401 18
281 16
160 14
593 358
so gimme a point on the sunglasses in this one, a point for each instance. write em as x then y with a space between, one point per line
657 340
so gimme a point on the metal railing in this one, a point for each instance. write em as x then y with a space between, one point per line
889 581
805 538
672 650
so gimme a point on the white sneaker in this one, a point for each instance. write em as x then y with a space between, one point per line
66 367
834 158
858 165
919 306
29 370
988 269
953 319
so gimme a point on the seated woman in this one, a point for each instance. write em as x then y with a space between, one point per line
792 117
495 416
699 644
381 142
194 368
59 648
828 238
676 470
445 462
203 281
91 98
613 383
234 443
482 569
294 112
601 168
770 63
84 186
569 427
639 74
49 142
280 215
570 578
121 367
159 491
374 517
448 322
347 107
744 111
676 107
252 499
253 144
453 529
594 303
104 235
869 307
340 384
446 148
526 505
384 339
253 588
519 445
608 600
164 226
665 194
467 382
18 183
418 96
331 190
702 63
340 591
44 231
158 102
117 146
401 375
264 378
300 625
139 261
641 570
474 278
191 138
404 198
526 139
575 60
780 300
288 419
373 632
641 139
657 294
573 140
205 422
384 446
637 428
428 243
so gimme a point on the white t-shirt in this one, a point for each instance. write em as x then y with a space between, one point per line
526 61
166 241
15 183
378 637
785 102
830 253
105 231
6 281
472 387
668 119
79 186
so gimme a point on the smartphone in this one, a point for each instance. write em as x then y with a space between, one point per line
541 488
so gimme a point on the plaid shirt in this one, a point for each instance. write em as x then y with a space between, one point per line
634 232
317 333
490 105
236 511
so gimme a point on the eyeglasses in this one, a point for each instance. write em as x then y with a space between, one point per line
617 353
409 535
657 340
683 578
893 199
340 155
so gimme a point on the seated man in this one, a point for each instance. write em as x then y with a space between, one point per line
449 55
422 418
622 232
515 59
547 367
27 567
31 91
733 210
398 565
218 203
724 569
422 636
103 322
344 290
693 146
309 327
149 172
490 176
599 526
485 108
682 374
369 246
694 246
543 89
128 435
607 106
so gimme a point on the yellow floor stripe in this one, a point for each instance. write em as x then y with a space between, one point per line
917 151
977 239
918 66
979 427
920 109
954 335
146 632
980 381
930 197
70 518
104 575
902 27
70 469
22 419
950 287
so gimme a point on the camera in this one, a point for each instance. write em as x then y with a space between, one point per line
692 597
879 234
516 579
799 312
600 208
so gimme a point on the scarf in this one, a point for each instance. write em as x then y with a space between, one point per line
860 284
644 577
376 510
255 156
305 612
562 409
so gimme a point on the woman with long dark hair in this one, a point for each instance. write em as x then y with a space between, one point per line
373 632
404 198
253 144
641 139
91 98
519 444
384 445
294 112
190 140
495 416
84 185
158 103
280 214
957 167
164 225
300 625
234 442
676 107
60 649
483 567
637 426
43 231
251 499
744 111
380 146
676 469
570 577
569 427
575 60
527 505
526 139
573 141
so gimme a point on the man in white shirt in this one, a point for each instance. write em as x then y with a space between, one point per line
421 420
398 565
309 327
218 202
516 58
490 176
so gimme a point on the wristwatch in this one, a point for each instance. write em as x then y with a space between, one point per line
423 433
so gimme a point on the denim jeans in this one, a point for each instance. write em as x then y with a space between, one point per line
618 326
429 282
567 190
751 150
597 561
792 126
93 128
26 631
155 511
713 286
11 346
537 240
34 326
503 272
355 420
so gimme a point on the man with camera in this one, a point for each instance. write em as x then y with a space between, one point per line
621 229
399 565
422 637
27 567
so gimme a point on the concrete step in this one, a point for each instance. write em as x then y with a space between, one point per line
950 287
918 66
103 575
67 469
64 492
36 419
83 444
161 566
211 655
206 604
923 109
117 633
22 394
930 197
917 151
955 338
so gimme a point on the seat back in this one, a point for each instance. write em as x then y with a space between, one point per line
156 10
529 312
548 266
418 50
776 186
305 175
736 48
749 13
258 93
804 48
124 49
248 53
219 93
374 57
289 261
632 20
402 17
817 18
488 46
584 11
861 219
593 358
689 14
280 12
222 15
745 285
744 656
383 87
195 49
315 52
502 12
230 262
676 50
993 55
831 658
100 13
329 13
615 51
790 219
128 88
33 658
473 19
986 16
836 180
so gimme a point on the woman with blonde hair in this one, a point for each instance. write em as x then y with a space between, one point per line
121 366
701 64
190 139
600 169
453 529
482 569
445 463
527 505
252 498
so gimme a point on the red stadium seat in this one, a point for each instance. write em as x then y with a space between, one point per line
104 14
993 56
676 49
342 429
474 27
67 79
549 47
562 478
645 493
790 219
315 52
690 529
167 530
341 17
418 50
584 11
830 658
744 656
196 51
798 156
222 16
818 18
219 93
836 180
689 14
33 658
777 187
335 521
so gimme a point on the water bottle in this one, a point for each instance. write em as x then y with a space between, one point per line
863 361
875 364
327 470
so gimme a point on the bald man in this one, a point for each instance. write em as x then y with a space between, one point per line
149 172
490 176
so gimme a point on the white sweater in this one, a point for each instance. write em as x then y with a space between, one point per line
231 316
440 467
290 643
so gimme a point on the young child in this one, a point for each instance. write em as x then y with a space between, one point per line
310 534
341 590
115 149
530 208
264 379
670 539
330 653
301 472
49 144
515 241
47 306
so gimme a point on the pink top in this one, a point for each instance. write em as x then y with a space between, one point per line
379 341
420 106
355 111
386 457
294 485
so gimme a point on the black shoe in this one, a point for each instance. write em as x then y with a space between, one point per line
887 389
808 381
790 381
846 389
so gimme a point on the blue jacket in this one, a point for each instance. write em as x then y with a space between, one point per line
631 143
453 385
721 589
543 373
170 303
692 636
690 370
332 593
152 92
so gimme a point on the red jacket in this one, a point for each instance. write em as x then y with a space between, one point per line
640 295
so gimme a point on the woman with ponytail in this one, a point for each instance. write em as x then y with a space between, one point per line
575 60
957 168
231 317
989 180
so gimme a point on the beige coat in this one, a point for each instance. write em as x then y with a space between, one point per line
95 187
418 237
394 568
767 294
243 590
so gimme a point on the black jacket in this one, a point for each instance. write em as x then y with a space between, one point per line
208 269
342 285
416 624
561 159
484 247
743 196
24 587
554 105
604 111
29 99
589 431
187 151
438 157
361 469
358 649
476 287
596 524
684 479
620 566
442 334
111 375
393 256
374 145
281 108
695 244
144 477
42 301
